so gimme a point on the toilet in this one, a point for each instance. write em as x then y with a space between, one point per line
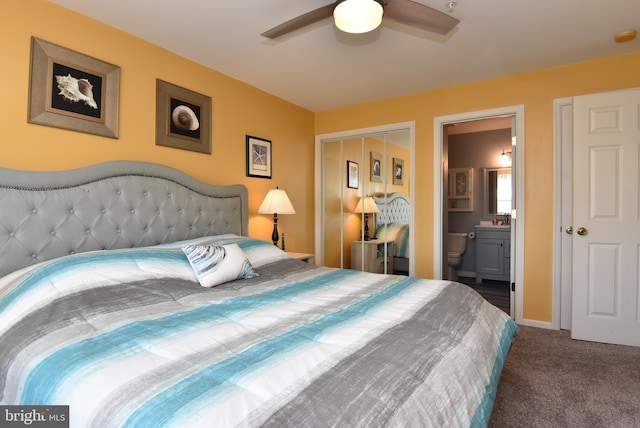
456 246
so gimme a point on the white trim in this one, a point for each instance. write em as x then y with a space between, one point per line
558 126
536 323
519 220
354 133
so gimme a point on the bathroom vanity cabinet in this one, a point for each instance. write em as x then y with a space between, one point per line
493 253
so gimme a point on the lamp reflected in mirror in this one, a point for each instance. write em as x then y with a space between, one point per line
366 206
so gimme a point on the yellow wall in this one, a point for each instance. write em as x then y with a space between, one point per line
536 91
238 110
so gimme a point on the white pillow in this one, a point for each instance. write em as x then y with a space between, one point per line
217 264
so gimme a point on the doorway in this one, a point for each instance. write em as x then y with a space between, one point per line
597 228
477 224
516 260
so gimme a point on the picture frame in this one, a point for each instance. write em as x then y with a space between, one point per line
376 167
183 118
352 175
73 91
259 158
398 171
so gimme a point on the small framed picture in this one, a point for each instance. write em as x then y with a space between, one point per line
352 174
258 157
73 91
398 171
376 167
183 118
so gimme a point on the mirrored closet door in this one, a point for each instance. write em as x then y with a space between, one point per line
365 201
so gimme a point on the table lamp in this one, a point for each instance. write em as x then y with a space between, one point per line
276 202
367 206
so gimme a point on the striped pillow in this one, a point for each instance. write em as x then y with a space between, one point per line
215 265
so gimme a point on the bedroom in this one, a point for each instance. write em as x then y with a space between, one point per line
240 110
287 125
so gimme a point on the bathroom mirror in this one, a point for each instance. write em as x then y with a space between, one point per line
497 191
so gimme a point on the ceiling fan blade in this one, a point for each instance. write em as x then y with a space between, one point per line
419 16
301 21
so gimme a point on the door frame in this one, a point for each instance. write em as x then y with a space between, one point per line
518 152
356 133
562 251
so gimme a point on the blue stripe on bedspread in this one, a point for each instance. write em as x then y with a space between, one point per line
57 269
216 378
70 359
483 412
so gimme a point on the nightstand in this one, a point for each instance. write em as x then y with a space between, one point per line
374 255
309 258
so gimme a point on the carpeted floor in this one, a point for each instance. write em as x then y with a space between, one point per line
550 380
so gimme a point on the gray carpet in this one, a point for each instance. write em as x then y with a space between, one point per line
550 380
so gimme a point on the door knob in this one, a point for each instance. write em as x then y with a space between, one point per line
582 231
569 230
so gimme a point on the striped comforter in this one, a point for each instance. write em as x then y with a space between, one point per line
128 338
398 233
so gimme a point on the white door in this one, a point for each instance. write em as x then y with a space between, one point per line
606 218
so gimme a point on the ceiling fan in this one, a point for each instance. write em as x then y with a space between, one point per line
406 12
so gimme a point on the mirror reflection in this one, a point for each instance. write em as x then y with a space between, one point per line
357 172
497 191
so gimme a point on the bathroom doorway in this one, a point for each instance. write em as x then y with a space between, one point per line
497 132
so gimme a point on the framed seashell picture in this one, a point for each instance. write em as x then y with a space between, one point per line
73 91
258 157
183 118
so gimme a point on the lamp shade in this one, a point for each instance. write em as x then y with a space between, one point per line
276 202
358 16
366 205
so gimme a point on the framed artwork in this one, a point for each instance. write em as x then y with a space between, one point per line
376 167
72 91
183 118
398 171
352 174
258 157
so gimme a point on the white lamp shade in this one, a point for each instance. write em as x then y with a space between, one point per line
358 16
366 205
276 202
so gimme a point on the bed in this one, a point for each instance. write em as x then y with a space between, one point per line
116 299
392 225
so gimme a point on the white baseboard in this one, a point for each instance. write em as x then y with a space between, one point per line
536 323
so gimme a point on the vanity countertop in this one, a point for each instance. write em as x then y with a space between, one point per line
493 227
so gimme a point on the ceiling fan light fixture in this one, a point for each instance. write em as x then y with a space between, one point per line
358 16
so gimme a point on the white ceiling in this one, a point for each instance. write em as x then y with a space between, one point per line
321 68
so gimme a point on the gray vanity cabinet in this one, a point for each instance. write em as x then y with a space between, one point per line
493 253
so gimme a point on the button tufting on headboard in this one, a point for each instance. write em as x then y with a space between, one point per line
121 204
394 208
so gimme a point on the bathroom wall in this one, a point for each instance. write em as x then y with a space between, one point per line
477 150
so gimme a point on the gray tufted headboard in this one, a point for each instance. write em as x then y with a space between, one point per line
394 208
119 204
